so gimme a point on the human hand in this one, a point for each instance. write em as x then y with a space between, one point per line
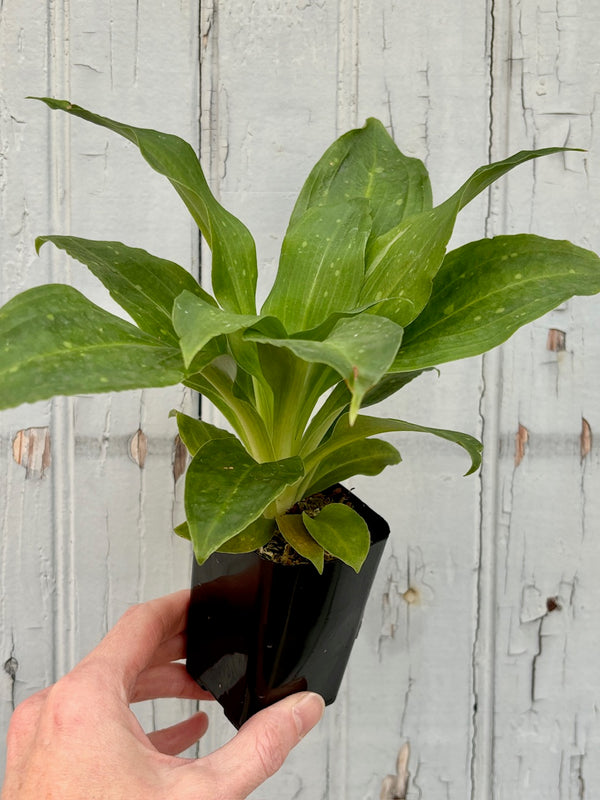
79 740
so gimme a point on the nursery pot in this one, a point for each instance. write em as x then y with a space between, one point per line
260 630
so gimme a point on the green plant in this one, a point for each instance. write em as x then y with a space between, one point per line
365 299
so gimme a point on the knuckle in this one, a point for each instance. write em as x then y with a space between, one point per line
64 706
24 716
24 722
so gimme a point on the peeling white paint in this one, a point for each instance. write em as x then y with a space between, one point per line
31 449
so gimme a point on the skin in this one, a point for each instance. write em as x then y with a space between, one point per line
79 739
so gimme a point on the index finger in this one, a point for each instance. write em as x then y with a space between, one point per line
129 647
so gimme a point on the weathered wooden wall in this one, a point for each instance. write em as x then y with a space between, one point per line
479 644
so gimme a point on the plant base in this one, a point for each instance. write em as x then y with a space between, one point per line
259 631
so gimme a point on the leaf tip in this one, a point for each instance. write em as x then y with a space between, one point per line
183 531
476 458
39 242
473 468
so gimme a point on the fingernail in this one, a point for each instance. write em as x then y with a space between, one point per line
307 711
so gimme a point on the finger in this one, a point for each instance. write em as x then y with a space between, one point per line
178 738
171 650
130 646
259 749
167 680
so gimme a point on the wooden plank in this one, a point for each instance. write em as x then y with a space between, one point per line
545 739
424 609
27 578
94 535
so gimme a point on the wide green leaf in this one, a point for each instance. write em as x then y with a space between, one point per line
197 322
293 530
195 433
226 490
403 262
344 434
234 269
53 341
341 531
361 457
488 289
321 266
366 162
144 285
251 538
360 349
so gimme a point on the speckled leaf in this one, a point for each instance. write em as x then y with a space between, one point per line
144 285
197 322
226 490
341 531
321 266
366 162
488 289
54 341
402 263
234 269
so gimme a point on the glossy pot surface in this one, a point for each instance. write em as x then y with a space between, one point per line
259 630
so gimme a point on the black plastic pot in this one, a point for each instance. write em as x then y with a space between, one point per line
259 631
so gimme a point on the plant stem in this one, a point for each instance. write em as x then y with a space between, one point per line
243 417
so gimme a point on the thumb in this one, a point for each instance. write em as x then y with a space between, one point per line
262 744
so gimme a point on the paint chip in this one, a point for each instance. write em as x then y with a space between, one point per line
138 448
411 596
180 458
521 440
553 604
395 787
585 438
31 449
556 341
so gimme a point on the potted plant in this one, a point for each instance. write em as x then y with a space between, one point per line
366 298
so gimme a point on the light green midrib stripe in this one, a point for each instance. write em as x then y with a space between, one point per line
82 350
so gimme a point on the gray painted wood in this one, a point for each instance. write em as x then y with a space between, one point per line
90 536
479 644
